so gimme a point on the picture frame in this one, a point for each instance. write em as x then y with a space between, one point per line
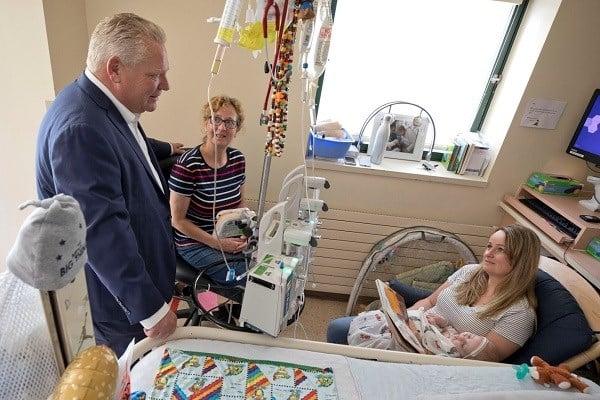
407 136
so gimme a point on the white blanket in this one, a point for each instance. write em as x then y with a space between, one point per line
366 379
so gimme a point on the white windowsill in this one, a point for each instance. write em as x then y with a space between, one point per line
401 169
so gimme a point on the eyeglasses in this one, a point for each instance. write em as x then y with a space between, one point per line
229 123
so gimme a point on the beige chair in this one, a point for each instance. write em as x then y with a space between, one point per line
588 299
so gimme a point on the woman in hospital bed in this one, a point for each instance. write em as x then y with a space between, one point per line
494 299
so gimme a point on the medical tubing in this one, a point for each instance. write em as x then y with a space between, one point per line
230 270
280 32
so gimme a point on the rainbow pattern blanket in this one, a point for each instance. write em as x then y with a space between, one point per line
192 375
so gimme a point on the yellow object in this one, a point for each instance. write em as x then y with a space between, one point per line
92 375
251 35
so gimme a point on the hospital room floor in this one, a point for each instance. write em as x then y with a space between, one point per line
312 324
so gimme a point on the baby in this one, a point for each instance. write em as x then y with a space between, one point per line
438 337
370 329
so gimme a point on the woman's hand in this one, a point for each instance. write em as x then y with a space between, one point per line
436 320
232 244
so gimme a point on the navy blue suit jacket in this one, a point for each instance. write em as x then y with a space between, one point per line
85 149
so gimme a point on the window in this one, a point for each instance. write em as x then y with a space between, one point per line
438 54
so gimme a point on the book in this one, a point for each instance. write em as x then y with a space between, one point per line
463 146
446 155
478 162
471 160
401 327
458 145
466 158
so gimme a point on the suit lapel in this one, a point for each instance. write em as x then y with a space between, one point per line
153 160
119 122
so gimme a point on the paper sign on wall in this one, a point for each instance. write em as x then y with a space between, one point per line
543 113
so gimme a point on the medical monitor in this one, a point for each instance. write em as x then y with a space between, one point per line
585 143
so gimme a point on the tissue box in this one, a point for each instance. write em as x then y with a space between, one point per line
328 147
593 248
554 184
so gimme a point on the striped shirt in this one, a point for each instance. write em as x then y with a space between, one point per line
192 177
516 323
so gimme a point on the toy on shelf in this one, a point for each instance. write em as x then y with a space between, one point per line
593 204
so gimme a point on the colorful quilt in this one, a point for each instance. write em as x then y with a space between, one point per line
190 375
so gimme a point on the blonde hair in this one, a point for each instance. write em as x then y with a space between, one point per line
523 252
217 102
126 36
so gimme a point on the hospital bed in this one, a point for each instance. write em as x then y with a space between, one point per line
357 373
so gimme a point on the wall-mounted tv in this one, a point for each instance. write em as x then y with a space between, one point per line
585 143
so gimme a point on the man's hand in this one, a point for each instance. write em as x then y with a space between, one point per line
164 328
177 148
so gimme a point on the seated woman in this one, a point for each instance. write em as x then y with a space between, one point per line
205 180
495 299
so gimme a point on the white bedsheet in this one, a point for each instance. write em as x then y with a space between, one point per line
366 379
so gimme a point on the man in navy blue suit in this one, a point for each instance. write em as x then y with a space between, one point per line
92 147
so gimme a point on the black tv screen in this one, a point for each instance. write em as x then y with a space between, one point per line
585 143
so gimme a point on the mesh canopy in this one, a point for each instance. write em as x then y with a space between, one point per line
409 249
28 368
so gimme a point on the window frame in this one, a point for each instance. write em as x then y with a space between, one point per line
495 75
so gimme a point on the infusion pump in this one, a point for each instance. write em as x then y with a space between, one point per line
270 294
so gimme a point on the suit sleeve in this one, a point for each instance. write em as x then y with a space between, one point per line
89 167
161 149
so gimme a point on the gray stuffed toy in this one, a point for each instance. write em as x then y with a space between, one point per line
50 248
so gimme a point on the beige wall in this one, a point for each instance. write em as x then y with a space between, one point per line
67 34
26 85
566 69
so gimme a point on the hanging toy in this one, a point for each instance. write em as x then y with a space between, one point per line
276 118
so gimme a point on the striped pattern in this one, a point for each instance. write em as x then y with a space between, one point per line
212 391
255 380
192 177
299 377
516 323
209 365
166 367
178 394
348 236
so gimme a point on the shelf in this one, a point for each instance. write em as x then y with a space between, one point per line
566 206
558 244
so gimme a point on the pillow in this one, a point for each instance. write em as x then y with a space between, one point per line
562 329
429 286
434 273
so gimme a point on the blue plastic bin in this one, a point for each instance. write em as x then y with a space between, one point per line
328 147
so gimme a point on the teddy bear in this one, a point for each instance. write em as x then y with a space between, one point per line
544 374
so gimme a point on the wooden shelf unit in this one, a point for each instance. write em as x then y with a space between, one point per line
568 250
566 206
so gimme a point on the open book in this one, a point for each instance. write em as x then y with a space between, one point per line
402 328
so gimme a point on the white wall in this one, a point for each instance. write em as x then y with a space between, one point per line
26 84
566 69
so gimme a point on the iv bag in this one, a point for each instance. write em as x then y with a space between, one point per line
318 51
